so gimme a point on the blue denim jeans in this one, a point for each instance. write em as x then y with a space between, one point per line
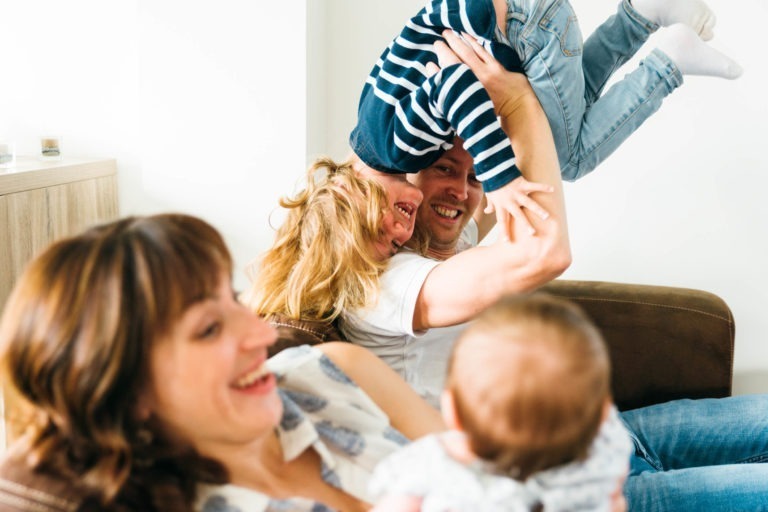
699 455
569 77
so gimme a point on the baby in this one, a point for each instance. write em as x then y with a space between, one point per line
532 422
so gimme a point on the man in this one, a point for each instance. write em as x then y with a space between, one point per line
425 299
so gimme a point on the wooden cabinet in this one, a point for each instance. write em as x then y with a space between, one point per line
41 201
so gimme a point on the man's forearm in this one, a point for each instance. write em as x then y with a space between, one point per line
467 283
528 128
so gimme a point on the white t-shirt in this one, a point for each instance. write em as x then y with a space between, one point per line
386 328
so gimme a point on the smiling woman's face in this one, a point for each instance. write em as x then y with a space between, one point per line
209 383
403 200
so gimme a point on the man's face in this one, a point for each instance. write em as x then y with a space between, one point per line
451 195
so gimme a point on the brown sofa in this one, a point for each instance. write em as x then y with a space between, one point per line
665 342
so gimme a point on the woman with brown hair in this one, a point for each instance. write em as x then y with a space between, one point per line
141 377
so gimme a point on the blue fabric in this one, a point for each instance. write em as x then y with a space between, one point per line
699 455
569 77
406 120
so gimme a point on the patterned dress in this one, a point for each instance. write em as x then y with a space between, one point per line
327 412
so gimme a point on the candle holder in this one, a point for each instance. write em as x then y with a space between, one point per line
50 147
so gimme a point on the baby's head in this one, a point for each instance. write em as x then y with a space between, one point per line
529 384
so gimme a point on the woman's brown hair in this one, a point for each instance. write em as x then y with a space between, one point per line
75 338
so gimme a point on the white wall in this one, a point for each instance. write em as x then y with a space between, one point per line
356 31
681 203
203 104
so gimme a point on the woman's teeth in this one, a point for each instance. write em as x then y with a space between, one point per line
251 377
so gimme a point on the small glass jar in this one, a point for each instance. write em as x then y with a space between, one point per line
7 154
50 147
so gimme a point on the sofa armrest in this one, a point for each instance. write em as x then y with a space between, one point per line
665 343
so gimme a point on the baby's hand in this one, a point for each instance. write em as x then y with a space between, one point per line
398 504
508 203
618 501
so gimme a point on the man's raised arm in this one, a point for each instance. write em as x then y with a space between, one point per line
458 288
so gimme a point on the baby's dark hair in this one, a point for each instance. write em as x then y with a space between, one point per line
530 378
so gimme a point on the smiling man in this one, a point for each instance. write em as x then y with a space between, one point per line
452 194
425 299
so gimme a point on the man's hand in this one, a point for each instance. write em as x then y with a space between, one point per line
509 200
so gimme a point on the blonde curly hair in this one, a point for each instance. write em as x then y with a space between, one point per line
322 260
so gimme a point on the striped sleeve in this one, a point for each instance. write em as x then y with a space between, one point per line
407 120
461 99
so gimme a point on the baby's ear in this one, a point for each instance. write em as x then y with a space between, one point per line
448 410
144 406
607 407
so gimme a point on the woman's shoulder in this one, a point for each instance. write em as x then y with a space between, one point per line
317 381
294 333
311 365
22 489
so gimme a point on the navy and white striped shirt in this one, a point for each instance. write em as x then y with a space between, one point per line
406 120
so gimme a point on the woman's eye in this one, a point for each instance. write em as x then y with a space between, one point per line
444 169
210 331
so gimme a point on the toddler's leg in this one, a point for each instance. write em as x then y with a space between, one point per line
695 57
693 13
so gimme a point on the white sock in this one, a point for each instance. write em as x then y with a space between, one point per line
695 57
694 13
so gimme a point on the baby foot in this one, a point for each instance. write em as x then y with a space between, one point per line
695 57
694 13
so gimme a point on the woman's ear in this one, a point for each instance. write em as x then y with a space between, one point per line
448 410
